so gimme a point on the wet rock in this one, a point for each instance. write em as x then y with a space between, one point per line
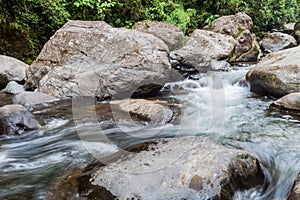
277 41
220 65
238 26
242 83
277 74
150 112
177 87
92 59
170 34
295 193
16 120
202 50
290 101
5 99
13 88
11 69
180 168
66 187
31 99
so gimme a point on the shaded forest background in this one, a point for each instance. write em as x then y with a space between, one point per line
26 25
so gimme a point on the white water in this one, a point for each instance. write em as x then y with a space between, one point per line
215 106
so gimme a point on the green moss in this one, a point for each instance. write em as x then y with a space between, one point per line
240 29
236 35
264 76
256 49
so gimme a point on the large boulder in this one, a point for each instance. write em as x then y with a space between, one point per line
247 48
238 26
295 194
16 120
232 25
290 101
277 74
92 59
31 99
203 50
11 69
170 34
149 112
277 41
178 168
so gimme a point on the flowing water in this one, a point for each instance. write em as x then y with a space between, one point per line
216 106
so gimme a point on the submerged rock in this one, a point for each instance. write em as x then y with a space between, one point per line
92 59
180 168
277 41
66 187
16 120
31 99
277 74
290 101
170 34
11 69
13 88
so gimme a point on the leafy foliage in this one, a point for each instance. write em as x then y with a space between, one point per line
27 24
185 19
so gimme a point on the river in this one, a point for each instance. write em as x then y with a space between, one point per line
217 107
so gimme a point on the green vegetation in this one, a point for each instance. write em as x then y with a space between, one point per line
27 24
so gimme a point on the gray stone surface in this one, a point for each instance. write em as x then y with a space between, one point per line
290 101
16 120
180 168
238 26
277 74
11 69
13 88
93 59
202 49
277 41
31 99
150 112
170 34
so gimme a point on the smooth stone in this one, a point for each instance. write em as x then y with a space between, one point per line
32 99
13 88
277 74
290 101
11 69
178 168
150 112
277 41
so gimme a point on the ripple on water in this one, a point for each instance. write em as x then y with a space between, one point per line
29 163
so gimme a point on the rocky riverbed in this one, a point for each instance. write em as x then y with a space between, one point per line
113 113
